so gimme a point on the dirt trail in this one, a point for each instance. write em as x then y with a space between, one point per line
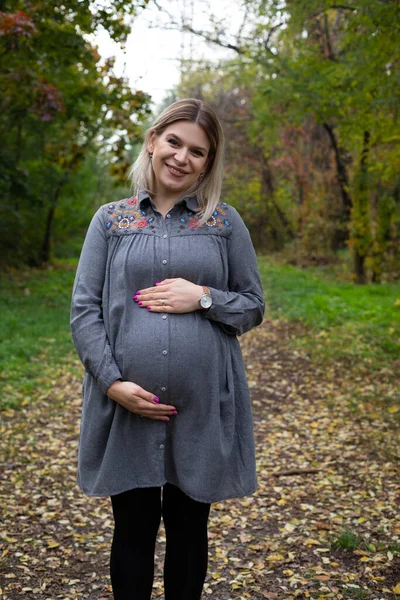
323 467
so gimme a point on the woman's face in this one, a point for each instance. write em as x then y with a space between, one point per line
179 157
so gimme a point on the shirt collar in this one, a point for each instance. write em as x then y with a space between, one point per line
190 201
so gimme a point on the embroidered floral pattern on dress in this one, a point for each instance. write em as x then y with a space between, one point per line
127 214
218 219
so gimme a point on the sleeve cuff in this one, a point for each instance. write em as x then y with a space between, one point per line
218 299
106 379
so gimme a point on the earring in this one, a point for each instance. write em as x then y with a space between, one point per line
150 155
201 176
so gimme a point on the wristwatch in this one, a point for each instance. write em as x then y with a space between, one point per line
205 299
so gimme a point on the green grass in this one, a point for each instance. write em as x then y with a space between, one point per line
35 338
349 540
343 320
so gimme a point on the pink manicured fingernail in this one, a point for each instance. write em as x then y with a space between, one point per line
157 282
166 419
134 298
149 308
175 412
155 399
137 293
140 302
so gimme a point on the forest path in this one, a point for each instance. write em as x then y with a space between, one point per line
327 467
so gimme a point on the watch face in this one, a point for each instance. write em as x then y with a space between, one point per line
206 301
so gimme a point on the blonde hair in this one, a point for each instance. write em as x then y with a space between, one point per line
208 189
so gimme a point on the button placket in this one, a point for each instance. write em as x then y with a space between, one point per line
164 343
165 241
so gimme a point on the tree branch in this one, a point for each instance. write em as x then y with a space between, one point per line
242 25
331 55
215 38
206 36
269 36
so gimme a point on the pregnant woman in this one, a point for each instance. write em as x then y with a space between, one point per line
166 281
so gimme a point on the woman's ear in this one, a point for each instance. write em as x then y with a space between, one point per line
150 143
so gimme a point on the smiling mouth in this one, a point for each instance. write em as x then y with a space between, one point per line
176 172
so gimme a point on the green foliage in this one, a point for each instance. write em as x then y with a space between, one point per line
34 330
60 107
338 65
309 106
343 321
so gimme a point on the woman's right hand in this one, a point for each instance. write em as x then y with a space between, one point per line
139 401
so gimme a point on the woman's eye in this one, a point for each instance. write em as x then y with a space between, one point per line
197 152
172 141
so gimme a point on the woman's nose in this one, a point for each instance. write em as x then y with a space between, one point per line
181 155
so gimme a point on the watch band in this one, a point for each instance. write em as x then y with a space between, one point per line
206 290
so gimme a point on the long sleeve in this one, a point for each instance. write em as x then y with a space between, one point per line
87 325
242 307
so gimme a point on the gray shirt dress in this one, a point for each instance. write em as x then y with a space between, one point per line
192 360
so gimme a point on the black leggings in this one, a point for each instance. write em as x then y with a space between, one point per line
137 515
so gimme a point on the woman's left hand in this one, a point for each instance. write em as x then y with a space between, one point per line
179 295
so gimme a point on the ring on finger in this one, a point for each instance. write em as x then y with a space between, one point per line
162 301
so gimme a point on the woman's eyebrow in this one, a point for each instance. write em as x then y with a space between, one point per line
179 140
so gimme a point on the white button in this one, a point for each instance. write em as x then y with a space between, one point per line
165 236
164 317
163 389
161 446
164 262
168 216
165 352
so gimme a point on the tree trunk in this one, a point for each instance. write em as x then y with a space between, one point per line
270 208
359 256
44 255
359 267
340 237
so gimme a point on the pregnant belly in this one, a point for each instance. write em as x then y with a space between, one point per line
186 354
